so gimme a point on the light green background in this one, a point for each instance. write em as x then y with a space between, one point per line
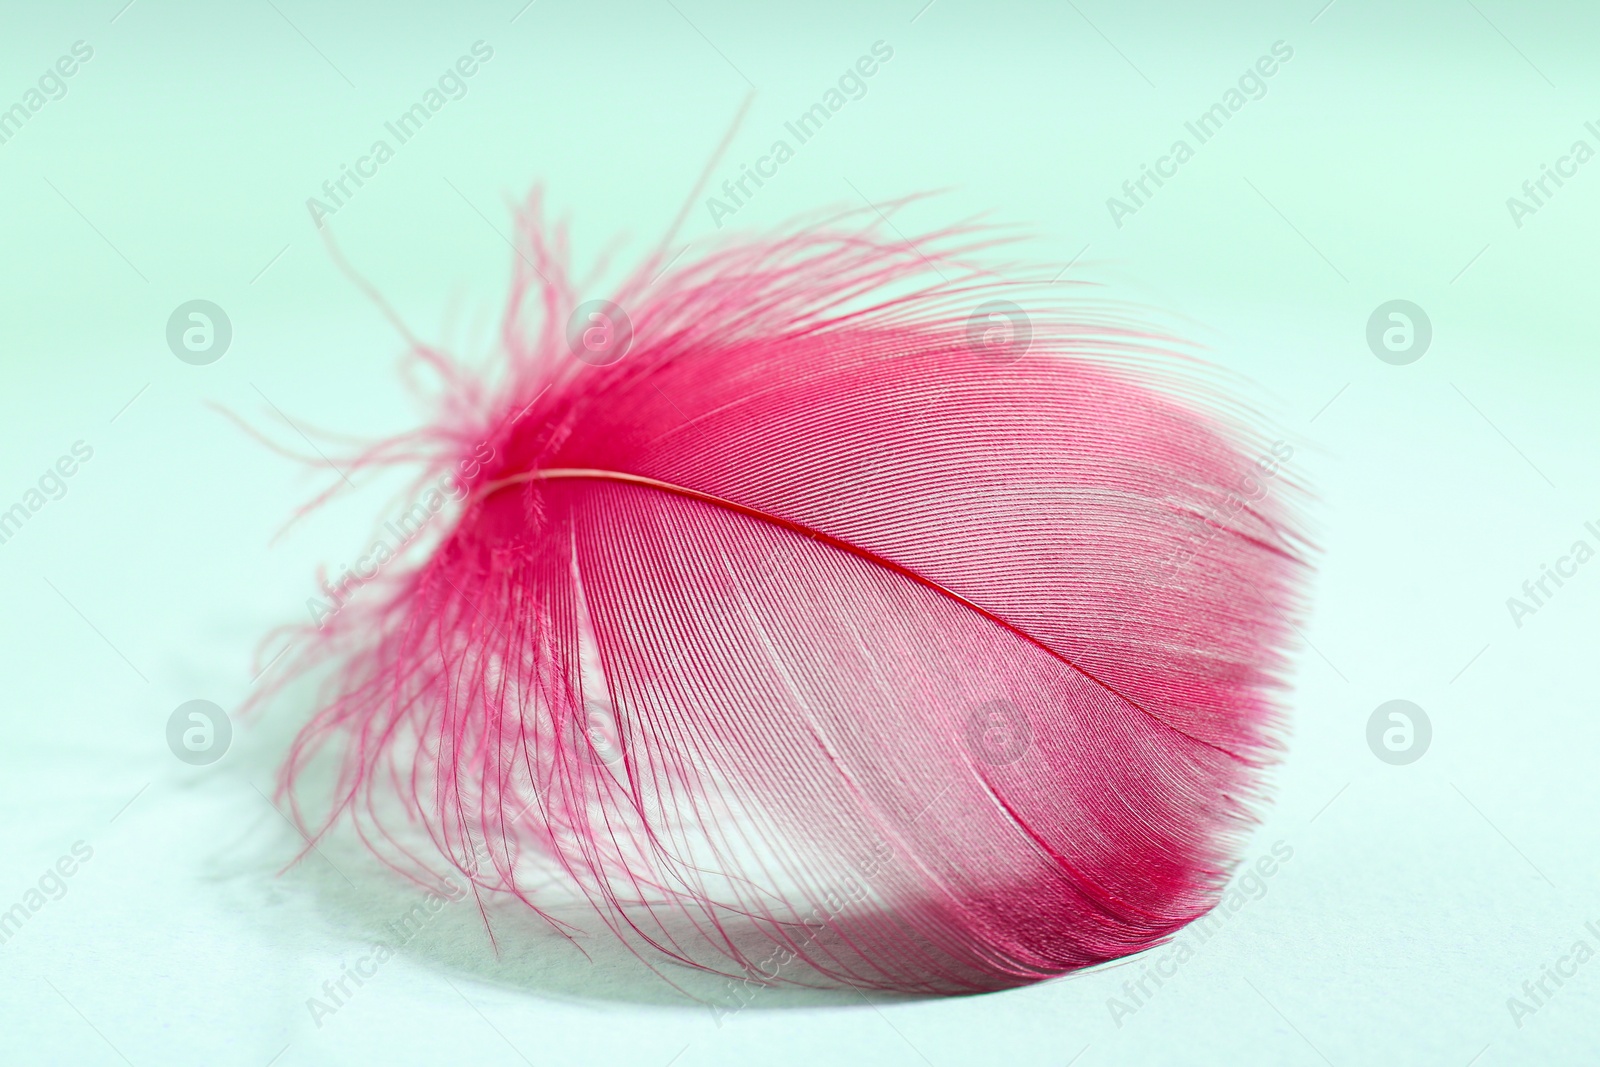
1377 166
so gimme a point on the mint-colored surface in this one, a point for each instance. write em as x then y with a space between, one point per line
1374 164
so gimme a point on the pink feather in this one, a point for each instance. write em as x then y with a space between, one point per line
819 639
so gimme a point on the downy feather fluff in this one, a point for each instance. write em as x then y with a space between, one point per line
826 636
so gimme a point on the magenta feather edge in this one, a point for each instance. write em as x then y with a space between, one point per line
817 637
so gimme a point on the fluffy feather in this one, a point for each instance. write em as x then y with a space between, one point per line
817 638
